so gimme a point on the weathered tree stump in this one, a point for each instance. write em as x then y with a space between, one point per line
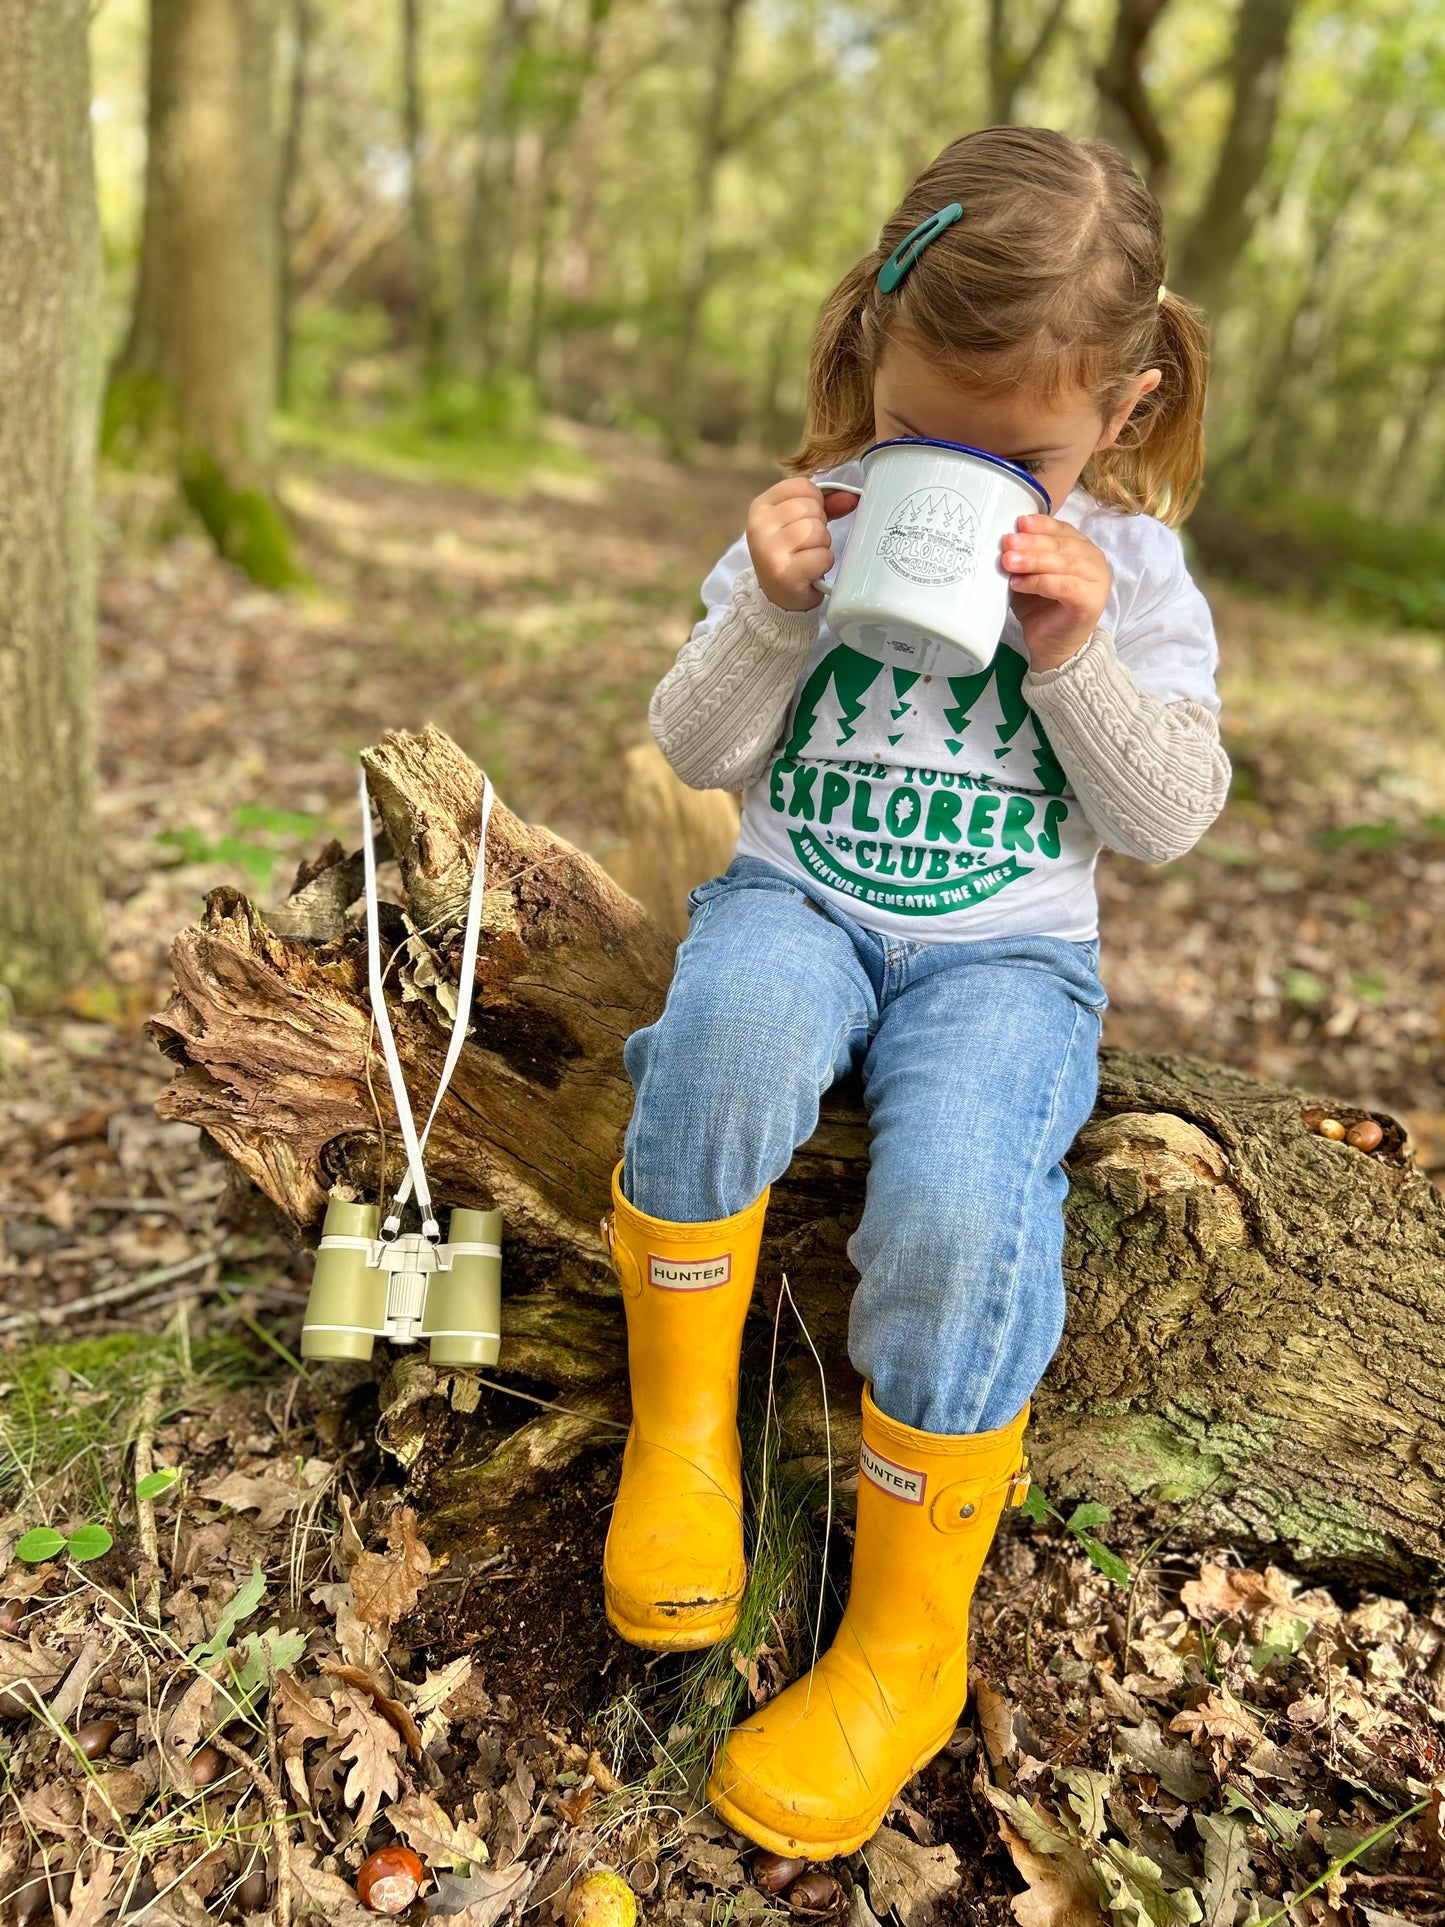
1256 1314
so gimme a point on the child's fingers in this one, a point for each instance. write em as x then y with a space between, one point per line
796 488
788 514
839 501
1053 587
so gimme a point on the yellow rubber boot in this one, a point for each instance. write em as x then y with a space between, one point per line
673 1571
814 1771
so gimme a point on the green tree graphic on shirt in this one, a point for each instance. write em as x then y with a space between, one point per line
847 687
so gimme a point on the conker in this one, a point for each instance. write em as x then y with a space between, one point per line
95 1737
774 1871
814 1892
390 1880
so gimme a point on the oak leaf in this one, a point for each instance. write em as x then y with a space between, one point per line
371 1743
92 1898
1219 1717
386 1585
906 1878
1061 1891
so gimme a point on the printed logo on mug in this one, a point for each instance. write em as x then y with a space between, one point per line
689 1274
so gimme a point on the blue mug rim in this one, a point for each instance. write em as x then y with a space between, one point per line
964 448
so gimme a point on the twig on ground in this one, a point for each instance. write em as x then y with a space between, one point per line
276 1813
145 1512
112 1295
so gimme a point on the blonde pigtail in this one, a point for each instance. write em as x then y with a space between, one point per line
839 420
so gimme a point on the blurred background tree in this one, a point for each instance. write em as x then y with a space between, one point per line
627 211
50 892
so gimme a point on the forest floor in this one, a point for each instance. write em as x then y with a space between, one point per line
267 1673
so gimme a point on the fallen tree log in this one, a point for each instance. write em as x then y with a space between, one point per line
1256 1330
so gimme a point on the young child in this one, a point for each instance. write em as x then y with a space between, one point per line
912 897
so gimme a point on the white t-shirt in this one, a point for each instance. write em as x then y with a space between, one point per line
930 805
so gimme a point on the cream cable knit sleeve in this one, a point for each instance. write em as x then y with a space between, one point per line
1151 775
719 711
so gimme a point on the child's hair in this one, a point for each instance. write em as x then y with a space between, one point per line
1051 277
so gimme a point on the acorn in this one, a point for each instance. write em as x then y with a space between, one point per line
253 1888
95 1737
774 1871
207 1764
1331 1128
19 1701
1365 1135
37 1894
814 1892
390 1880
12 1617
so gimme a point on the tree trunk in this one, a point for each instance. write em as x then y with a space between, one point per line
1126 113
427 323
303 22
1009 68
1256 1313
1222 227
480 312
197 381
697 238
51 923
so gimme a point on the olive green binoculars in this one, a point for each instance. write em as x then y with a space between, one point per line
406 1288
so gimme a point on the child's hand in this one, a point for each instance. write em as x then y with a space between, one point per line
1060 583
788 539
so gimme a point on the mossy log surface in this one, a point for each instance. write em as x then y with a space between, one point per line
1255 1345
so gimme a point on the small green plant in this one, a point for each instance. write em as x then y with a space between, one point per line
44 1542
257 856
155 1483
1080 1522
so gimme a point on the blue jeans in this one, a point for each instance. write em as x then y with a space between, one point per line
979 1064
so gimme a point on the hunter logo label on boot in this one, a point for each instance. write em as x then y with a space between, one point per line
898 1481
689 1274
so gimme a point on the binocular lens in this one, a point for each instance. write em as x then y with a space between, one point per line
347 1306
464 1305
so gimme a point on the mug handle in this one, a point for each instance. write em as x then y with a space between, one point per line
821 583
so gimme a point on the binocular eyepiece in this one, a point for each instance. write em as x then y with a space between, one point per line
406 1288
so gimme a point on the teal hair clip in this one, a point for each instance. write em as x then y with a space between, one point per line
912 245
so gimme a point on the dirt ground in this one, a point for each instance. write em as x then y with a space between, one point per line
1200 1742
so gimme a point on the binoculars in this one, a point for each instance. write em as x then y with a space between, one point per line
406 1288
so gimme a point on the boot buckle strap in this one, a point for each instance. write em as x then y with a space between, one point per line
959 1504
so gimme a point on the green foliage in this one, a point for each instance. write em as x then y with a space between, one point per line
86 1542
67 1412
1080 1522
154 1484
258 856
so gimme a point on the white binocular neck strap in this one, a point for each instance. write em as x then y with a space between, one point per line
415 1178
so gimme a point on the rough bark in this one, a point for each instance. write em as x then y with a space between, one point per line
197 382
51 925
1221 229
1254 1342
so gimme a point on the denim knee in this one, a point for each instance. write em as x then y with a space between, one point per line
723 1096
959 1309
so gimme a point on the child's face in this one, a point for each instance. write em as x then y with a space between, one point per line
1053 440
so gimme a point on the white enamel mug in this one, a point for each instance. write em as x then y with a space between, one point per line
923 556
